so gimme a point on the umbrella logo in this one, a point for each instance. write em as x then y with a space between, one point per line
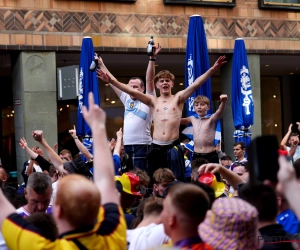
80 97
190 70
246 83
191 103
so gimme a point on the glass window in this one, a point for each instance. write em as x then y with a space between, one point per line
221 3
279 4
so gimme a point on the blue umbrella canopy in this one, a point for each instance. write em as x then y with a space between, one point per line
196 64
88 82
242 100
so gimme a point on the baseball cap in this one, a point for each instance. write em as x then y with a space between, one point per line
130 183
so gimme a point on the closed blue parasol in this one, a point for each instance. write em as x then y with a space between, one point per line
242 101
196 64
88 82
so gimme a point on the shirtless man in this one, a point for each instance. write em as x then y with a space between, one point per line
166 111
137 116
204 128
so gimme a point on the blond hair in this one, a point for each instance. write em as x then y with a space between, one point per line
201 98
79 199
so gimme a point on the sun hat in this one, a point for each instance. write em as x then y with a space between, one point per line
130 183
210 180
230 224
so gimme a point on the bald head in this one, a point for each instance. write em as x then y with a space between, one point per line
79 200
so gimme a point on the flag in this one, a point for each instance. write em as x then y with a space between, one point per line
88 82
196 64
242 100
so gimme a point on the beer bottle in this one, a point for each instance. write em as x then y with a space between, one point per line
150 49
94 63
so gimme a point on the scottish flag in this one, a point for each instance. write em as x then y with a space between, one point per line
196 64
242 101
88 82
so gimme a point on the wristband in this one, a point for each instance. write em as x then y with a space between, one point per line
152 59
76 137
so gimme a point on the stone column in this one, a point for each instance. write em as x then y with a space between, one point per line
228 127
34 94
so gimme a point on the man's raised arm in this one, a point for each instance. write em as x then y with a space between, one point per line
150 74
146 99
103 163
217 115
102 66
6 208
185 94
54 157
286 138
79 144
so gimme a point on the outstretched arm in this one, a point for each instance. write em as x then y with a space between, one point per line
6 208
118 145
217 115
55 159
232 178
103 163
286 137
150 74
146 99
185 121
102 66
186 93
79 144
31 153
290 187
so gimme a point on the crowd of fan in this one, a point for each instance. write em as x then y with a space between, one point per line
186 195
217 209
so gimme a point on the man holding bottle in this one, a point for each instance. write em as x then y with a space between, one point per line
137 115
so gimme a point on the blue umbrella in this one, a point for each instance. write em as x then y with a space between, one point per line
242 101
88 82
196 64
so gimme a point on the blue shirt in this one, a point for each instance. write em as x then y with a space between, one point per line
289 221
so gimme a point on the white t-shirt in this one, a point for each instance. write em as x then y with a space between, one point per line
137 121
54 191
143 238
296 156
35 166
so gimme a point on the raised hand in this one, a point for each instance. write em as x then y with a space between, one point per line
23 143
286 171
103 76
73 131
119 133
100 61
95 116
112 143
298 124
290 128
55 146
223 98
219 62
37 135
210 167
156 49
